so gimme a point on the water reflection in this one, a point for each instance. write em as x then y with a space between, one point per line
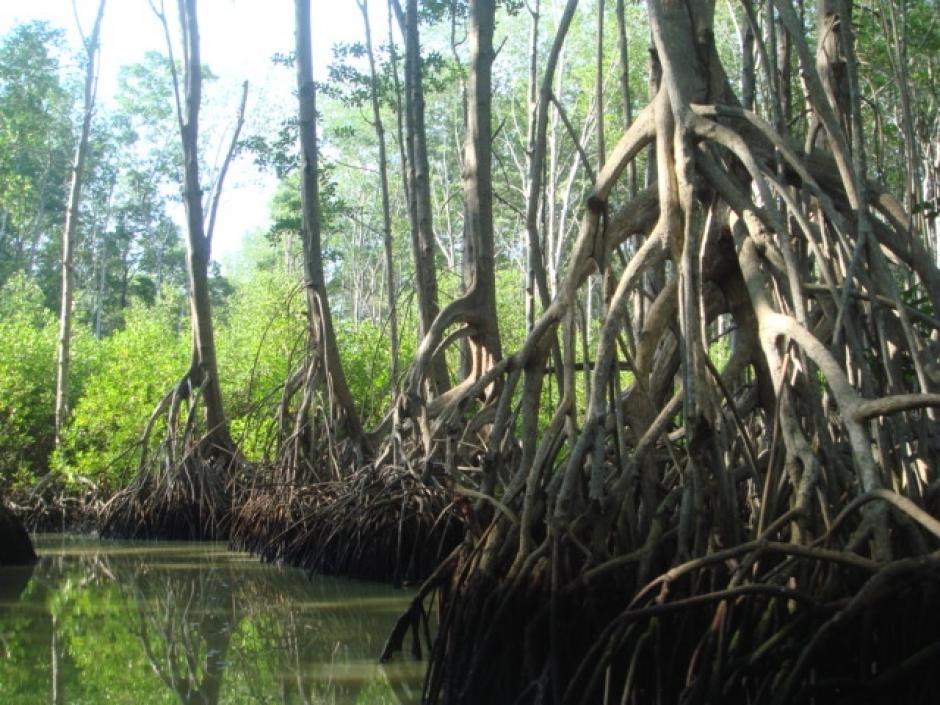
192 625
184 621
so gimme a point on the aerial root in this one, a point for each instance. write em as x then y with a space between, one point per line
386 523
191 501
762 628
380 524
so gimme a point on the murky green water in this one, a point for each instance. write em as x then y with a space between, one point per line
150 623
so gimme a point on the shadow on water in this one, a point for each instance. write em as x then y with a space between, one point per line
191 624
13 580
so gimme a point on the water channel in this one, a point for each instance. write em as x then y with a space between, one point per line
134 623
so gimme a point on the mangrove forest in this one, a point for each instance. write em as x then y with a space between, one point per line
605 332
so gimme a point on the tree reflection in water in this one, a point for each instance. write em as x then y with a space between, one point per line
194 625
184 622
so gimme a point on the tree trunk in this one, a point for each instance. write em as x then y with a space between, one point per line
623 47
537 159
323 336
831 60
390 278
599 86
419 180
203 370
532 114
479 259
70 232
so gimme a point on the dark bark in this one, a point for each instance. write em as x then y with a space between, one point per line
748 72
831 60
419 178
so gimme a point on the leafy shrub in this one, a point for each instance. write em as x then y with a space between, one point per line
135 367
28 333
259 342
367 360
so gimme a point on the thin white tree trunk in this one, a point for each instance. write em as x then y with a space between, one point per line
70 231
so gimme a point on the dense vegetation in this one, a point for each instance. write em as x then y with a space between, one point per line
604 322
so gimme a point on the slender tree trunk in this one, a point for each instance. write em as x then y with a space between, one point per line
540 244
895 22
748 72
601 157
476 307
418 188
216 191
422 224
100 265
784 79
70 232
388 241
599 86
533 95
535 182
403 150
204 367
623 46
323 336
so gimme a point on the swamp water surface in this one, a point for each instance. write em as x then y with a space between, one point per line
143 623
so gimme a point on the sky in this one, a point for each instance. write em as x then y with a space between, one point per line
238 39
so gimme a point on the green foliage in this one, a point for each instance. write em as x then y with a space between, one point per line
35 147
510 308
719 352
263 339
260 341
364 347
28 337
27 381
135 368
286 209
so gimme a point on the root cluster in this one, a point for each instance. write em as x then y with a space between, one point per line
318 506
190 504
383 524
756 529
